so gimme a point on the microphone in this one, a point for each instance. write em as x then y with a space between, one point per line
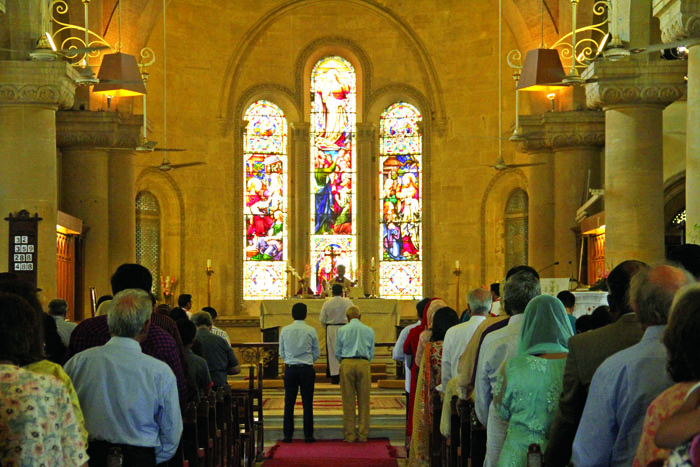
556 263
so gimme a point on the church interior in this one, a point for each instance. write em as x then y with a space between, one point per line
244 150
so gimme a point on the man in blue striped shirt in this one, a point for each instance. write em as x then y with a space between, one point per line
299 349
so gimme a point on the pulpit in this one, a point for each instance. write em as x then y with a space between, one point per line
271 334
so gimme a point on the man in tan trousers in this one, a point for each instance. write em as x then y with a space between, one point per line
355 349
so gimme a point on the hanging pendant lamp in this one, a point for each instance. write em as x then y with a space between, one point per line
119 76
542 71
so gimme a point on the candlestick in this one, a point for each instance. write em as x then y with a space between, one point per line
209 272
457 272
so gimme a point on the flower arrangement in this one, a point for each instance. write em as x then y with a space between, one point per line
166 287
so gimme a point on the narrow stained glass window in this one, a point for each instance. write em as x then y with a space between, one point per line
516 227
333 179
400 181
265 202
148 235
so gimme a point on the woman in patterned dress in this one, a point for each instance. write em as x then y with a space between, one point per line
37 423
672 418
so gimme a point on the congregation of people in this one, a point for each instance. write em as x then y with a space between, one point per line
619 386
113 385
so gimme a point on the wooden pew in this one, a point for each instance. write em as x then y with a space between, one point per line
436 439
223 421
194 455
258 420
247 418
478 440
465 443
204 436
454 440
214 430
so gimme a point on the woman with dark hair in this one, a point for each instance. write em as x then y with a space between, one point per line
526 393
52 434
683 353
428 379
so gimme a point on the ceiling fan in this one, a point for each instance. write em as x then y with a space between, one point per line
617 52
165 165
501 165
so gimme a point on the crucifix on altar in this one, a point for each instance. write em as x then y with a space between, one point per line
332 254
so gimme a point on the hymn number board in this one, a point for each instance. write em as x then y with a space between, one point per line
24 237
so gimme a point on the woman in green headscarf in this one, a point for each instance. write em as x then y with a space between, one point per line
526 393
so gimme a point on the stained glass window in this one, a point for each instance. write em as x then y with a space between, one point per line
400 182
265 202
516 229
333 179
148 235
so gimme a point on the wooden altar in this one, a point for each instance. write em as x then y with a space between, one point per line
380 314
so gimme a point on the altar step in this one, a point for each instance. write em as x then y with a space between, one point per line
388 422
392 427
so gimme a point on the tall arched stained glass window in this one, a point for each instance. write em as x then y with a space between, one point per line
516 220
148 235
400 181
265 202
333 180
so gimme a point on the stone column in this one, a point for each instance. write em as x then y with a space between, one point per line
576 139
633 95
367 207
681 19
30 94
122 194
299 196
96 190
540 194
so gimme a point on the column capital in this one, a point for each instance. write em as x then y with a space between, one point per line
300 130
679 18
563 130
365 131
44 84
87 129
634 83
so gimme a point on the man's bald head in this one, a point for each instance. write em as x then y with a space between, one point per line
652 291
353 313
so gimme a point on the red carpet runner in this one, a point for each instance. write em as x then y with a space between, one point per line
374 453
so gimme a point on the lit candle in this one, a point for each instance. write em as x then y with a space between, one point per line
208 264
372 261
457 264
167 279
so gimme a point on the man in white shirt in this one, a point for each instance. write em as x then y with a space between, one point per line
333 317
398 355
457 337
129 399
496 348
299 349
58 309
